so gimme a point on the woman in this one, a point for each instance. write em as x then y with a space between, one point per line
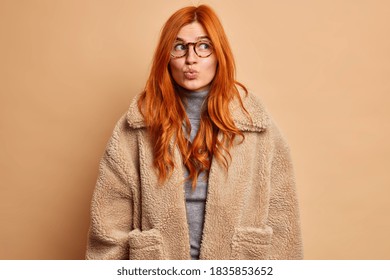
196 168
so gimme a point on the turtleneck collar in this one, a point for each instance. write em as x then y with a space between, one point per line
193 101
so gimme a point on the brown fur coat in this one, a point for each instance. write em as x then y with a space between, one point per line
251 210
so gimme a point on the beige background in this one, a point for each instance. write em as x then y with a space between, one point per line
68 70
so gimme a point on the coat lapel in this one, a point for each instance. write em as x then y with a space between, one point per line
225 198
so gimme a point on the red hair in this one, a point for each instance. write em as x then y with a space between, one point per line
164 112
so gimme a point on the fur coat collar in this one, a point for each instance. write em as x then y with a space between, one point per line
255 109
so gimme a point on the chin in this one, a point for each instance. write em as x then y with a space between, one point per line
193 87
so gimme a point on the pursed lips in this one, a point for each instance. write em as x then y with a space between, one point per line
190 74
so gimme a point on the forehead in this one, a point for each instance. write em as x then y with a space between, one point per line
191 32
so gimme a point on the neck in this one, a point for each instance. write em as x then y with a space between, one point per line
184 91
193 101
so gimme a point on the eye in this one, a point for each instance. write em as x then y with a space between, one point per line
204 45
179 47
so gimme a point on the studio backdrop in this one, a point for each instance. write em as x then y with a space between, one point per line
69 68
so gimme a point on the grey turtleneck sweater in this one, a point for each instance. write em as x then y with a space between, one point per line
195 200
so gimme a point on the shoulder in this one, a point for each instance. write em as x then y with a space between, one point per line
253 116
133 116
125 133
257 119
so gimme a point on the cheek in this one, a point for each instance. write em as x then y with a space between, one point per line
175 66
211 68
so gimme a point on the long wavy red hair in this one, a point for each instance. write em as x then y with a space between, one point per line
165 114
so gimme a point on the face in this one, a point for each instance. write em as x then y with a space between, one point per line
190 71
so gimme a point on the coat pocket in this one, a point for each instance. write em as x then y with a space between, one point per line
251 243
146 245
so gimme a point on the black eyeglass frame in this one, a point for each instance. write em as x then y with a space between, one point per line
193 47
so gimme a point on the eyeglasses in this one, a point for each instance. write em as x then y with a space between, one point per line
202 48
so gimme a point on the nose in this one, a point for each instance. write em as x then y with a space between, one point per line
191 56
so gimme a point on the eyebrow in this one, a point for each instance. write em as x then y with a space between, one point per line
197 38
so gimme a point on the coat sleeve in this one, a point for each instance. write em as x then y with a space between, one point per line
283 210
111 206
